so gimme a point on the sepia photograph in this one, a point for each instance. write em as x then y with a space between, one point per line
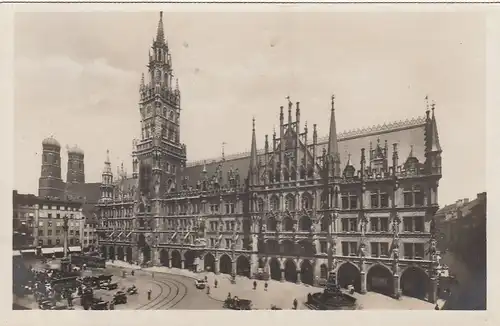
280 158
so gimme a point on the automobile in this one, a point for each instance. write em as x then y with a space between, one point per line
132 290
237 304
109 286
45 304
99 305
200 284
120 297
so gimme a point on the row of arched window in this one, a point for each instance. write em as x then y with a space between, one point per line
289 175
306 202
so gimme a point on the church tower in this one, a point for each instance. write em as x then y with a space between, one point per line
160 154
76 168
50 183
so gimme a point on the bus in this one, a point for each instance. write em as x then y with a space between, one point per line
90 260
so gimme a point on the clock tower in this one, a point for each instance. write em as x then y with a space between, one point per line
159 152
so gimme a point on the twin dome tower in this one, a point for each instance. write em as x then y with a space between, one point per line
50 183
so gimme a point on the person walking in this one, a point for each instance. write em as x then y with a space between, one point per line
254 285
295 303
149 294
208 289
265 286
215 283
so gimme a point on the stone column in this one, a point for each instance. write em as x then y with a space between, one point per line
182 264
282 276
397 286
363 282
433 290
169 262
216 271
233 266
254 265
201 264
299 281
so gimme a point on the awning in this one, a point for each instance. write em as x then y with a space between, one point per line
16 253
75 249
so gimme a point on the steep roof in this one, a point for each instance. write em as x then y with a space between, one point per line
406 133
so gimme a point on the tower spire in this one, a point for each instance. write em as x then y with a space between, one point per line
435 146
253 156
333 149
160 35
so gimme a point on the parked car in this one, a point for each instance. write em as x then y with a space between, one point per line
200 284
109 286
120 297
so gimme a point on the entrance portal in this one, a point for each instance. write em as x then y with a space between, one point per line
414 283
275 267
176 259
209 262
290 271
225 264
164 258
348 274
306 272
379 279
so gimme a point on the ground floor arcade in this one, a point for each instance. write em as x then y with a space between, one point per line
404 278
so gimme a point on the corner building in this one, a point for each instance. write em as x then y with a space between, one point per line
296 209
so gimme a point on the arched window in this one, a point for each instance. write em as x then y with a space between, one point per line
290 202
325 223
171 115
271 176
275 203
310 172
260 205
271 224
306 201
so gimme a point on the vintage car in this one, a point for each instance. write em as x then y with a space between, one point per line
132 290
120 297
49 305
99 304
200 284
237 304
109 286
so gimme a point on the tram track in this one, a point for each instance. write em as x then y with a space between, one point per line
167 302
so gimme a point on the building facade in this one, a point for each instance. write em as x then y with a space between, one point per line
24 221
296 209
462 228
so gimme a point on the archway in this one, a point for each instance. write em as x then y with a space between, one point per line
112 253
323 271
262 264
379 279
307 272
129 254
176 259
104 252
146 251
209 262
121 254
243 266
275 267
348 274
271 223
189 260
290 271
164 258
287 224
305 223
225 264
414 283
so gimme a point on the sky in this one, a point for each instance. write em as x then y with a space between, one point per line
77 78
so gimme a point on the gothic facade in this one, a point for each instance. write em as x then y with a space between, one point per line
295 210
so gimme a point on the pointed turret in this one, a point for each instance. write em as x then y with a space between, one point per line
435 146
107 180
160 35
253 173
333 148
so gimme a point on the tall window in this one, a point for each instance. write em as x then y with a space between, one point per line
413 196
379 224
413 224
349 200
379 249
260 205
414 250
349 224
290 203
379 199
306 201
275 203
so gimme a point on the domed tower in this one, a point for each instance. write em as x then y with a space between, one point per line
76 169
50 183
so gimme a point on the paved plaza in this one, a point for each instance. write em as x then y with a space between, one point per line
280 294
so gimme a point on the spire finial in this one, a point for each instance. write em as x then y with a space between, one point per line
160 36
107 156
177 83
333 102
223 156
253 123
427 101
433 106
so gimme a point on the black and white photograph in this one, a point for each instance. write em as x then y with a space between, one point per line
270 158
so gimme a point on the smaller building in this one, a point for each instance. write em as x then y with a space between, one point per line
462 228
25 215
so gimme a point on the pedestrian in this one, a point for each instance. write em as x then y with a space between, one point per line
295 303
215 283
208 289
229 295
132 273
265 286
112 305
149 294
254 285
206 278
